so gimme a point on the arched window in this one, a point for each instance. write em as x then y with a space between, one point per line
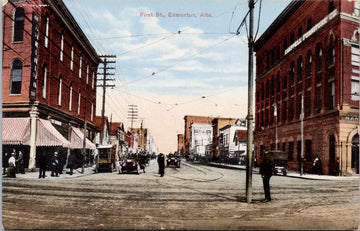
308 63
72 58
44 82
318 57
62 47
80 64
46 41
15 77
60 91
18 25
331 51
299 69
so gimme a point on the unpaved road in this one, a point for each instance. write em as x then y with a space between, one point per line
192 197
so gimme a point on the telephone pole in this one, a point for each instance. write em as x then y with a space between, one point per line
132 113
105 61
250 117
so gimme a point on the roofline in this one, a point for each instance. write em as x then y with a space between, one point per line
278 22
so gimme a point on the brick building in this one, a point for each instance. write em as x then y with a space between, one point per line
310 51
180 143
49 71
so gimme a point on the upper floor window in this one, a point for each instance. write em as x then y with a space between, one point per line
80 64
18 25
70 97
72 58
309 24
92 111
62 47
299 69
331 53
308 64
300 33
331 6
79 102
44 82
87 73
15 77
278 82
46 41
60 91
292 73
93 80
318 58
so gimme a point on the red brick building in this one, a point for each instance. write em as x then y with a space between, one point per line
180 143
310 51
49 68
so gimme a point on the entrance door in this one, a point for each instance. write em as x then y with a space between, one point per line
355 153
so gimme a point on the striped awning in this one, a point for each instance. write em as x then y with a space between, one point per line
47 135
77 140
15 131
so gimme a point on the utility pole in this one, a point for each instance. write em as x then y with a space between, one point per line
250 117
132 113
105 68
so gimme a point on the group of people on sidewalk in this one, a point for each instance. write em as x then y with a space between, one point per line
12 163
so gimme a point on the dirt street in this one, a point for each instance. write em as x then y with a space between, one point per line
191 197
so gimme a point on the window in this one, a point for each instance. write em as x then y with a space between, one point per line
309 25
308 64
307 103
46 41
79 102
331 93
355 88
15 77
292 38
292 73
92 112
80 64
299 69
60 91
93 80
291 108
331 6
70 97
72 59
87 74
44 82
318 98
331 54
278 82
284 87
62 47
18 25
300 33
318 58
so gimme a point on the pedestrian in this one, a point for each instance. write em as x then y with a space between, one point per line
161 162
5 163
96 155
11 171
55 165
317 169
20 163
266 171
42 164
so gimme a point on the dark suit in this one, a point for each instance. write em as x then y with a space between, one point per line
161 162
266 171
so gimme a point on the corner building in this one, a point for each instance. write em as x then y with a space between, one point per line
310 52
49 73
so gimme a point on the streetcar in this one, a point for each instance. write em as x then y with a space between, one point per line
104 163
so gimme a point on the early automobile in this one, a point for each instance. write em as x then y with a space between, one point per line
130 164
173 160
280 159
104 162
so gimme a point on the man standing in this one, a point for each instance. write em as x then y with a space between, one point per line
42 164
161 162
55 165
5 163
266 171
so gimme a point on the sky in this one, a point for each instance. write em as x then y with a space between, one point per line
173 58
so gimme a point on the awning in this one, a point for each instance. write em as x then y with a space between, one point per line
47 135
14 130
77 140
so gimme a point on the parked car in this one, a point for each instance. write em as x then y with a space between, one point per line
173 160
130 164
280 159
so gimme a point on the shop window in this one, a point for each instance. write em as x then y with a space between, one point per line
291 151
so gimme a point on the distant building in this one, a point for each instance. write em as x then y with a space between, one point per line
200 136
218 123
117 134
310 52
181 144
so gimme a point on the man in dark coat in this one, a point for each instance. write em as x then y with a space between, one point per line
161 162
5 160
55 165
266 171
42 164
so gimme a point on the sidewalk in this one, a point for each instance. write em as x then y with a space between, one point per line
64 175
290 173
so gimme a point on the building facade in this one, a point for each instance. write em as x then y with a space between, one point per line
218 123
49 69
230 144
180 144
307 64
200 137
